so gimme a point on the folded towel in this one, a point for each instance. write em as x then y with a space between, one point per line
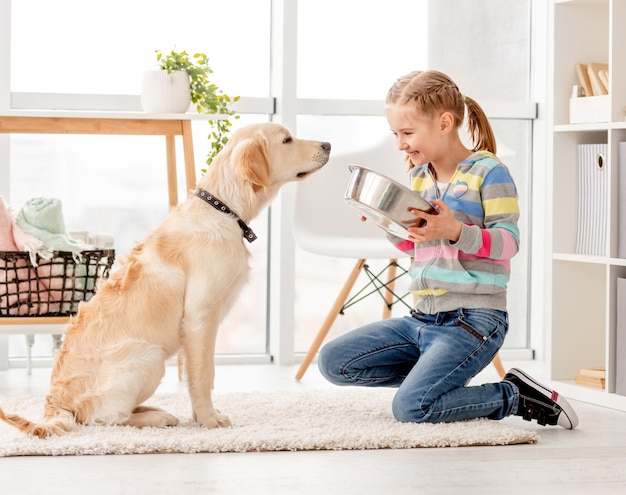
43 219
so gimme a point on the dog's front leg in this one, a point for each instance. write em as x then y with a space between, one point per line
199 346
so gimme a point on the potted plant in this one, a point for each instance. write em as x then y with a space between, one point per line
195 89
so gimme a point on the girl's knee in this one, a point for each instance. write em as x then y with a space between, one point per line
404 409
327 364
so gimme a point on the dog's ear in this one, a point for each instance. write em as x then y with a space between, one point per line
253 161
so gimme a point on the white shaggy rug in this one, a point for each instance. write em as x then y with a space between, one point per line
334 419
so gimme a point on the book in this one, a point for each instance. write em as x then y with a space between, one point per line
583 79
597 87
603 75
590 381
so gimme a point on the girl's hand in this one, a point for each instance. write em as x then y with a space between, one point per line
444 225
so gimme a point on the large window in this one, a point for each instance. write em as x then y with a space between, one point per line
72 46
347 55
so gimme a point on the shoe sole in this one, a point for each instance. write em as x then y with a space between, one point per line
567 412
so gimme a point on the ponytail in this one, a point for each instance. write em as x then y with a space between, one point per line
479 128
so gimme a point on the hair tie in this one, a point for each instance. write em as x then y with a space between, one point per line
463 96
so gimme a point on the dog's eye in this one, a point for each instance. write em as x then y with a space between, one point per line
288 139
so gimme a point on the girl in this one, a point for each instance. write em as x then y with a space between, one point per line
461 269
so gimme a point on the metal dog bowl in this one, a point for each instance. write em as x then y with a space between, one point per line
384 201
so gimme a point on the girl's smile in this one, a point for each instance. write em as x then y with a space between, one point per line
416 157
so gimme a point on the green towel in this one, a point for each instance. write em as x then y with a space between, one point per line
43 219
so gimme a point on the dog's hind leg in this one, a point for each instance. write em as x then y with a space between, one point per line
132 374
143 416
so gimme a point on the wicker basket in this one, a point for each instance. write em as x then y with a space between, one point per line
54 287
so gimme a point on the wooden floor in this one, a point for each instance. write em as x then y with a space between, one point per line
589 460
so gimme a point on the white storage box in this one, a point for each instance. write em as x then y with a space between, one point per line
588 109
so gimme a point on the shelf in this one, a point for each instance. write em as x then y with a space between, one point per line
582 312
34 320
581 258
596 126
581 2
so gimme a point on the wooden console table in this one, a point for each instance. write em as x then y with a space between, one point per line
115 123
108 123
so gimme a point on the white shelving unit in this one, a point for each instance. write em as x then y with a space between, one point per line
582 295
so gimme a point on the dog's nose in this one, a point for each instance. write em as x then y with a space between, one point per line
326 147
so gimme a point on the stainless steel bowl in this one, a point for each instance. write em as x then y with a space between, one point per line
384 201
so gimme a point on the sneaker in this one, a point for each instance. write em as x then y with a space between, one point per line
541 403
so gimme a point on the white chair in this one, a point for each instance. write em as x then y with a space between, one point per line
324 224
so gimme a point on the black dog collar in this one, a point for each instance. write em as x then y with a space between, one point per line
248 234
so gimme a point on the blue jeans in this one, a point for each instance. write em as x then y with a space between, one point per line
430 359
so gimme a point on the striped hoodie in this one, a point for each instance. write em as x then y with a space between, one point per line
474 271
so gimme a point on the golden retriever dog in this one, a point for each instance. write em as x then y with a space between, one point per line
171 292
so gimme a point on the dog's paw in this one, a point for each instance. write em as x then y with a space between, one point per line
168 419
222 420
215 420
151 417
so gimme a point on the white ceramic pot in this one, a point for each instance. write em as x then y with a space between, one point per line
165 93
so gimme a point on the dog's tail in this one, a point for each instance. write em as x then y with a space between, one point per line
59 426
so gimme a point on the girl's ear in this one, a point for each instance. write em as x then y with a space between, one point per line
446 122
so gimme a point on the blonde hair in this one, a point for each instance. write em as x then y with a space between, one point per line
433 92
